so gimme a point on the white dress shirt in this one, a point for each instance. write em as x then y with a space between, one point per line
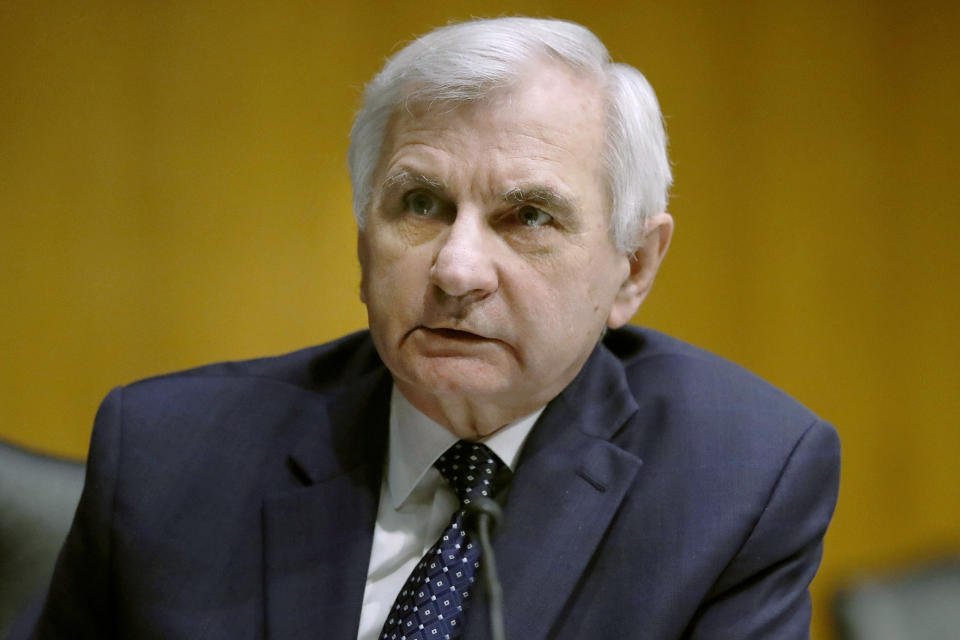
415 502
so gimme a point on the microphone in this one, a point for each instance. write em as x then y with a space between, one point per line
483 516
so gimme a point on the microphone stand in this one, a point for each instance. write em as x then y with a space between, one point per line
487 514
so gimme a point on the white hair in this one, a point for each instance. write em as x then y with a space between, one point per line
468 61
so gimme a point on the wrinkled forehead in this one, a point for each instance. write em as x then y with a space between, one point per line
551 114
546 95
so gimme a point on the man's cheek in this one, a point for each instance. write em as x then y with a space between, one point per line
393 251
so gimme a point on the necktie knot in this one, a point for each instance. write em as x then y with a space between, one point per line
471 468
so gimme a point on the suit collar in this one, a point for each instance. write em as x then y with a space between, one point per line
354 431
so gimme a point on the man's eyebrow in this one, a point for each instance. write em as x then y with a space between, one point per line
542 195
405 177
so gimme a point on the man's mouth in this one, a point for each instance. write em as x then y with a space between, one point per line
444 341
454 334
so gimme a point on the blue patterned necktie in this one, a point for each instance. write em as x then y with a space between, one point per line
433 600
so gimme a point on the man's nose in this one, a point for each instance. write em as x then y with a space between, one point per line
463 265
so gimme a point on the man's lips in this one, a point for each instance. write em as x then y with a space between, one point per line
444 341
454 334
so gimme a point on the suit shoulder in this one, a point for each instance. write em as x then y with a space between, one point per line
238 412
704 386
322 368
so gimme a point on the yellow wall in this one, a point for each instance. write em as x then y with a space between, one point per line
173 191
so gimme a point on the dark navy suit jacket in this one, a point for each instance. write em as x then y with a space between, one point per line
666 493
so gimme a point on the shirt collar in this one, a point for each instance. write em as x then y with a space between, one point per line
416 442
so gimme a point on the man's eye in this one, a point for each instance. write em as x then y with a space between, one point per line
533 217
421 203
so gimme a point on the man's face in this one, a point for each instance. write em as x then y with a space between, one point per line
488 269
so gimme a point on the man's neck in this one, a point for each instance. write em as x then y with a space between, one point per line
468 418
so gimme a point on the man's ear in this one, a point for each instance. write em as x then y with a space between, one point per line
362 257
644 263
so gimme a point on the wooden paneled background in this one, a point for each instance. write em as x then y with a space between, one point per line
173 191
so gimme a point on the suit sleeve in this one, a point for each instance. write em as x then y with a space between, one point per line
763 592
79 601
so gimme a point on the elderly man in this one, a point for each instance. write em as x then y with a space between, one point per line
510 189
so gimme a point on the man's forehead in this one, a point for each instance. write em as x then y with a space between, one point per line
549 106
542 84
540 138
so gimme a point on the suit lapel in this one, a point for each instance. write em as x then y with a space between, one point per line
317 536
568 485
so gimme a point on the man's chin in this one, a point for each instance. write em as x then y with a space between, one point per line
459 375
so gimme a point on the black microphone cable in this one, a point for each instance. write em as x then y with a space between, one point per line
486 514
